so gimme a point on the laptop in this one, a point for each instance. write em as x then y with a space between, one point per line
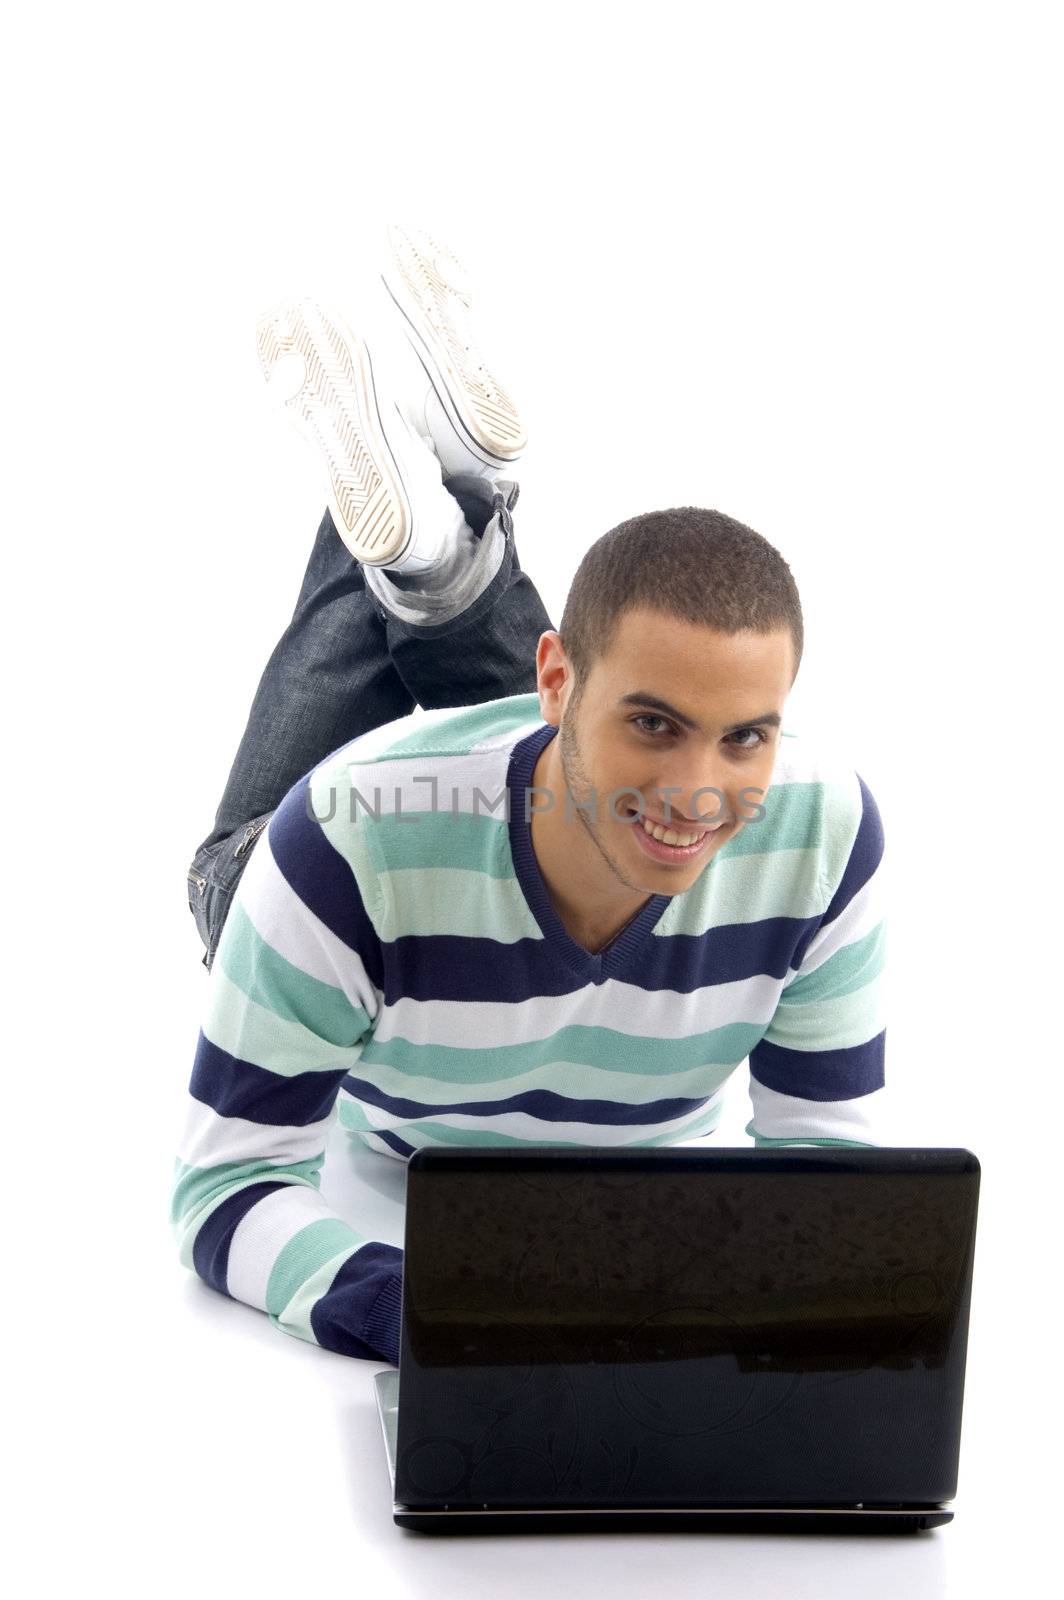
678 1338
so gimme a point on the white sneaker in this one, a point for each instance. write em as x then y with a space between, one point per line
472 422
386 495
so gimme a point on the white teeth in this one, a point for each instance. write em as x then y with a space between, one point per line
668 835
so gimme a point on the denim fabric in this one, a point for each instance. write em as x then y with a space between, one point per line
346 664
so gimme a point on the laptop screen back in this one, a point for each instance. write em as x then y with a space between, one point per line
684 1327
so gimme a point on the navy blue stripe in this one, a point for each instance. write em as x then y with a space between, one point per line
865 856
394 1141
821 1074
454 967
319 875
542 1103
344 1319
866 852
236 1088
210 1252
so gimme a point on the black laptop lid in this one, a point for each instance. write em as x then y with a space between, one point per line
681 1327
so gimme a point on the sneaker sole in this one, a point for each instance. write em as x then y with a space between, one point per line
481 412
336 409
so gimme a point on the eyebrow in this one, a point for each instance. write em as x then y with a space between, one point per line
770 719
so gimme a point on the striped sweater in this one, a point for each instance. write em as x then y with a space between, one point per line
392 957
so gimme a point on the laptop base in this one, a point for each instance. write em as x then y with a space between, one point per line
629 1519
639 1519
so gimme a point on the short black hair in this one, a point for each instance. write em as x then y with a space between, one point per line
685 562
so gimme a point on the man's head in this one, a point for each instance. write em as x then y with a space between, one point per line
679 643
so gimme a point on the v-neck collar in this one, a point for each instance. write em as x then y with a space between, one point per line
621 951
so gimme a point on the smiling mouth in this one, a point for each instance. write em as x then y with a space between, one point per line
671 833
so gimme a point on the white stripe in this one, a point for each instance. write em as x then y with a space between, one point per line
473 784
287 924
368 748
620 1007
534 1130
422 1140
509 737
788 1116
262 1234
209 1140
864 913
569 1080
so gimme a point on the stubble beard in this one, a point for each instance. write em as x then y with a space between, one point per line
578 784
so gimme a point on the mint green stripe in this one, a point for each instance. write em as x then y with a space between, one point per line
306 1253
833 1024
748 888
439 900
481 1137
419 839
194 1187
289 993
793 820
639 1060
252 1033
575 1080
485 1138
855 1144
848 969
296 1315
787 864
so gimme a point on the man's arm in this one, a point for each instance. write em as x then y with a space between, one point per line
292 998
815 1073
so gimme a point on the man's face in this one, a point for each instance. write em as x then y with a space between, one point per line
730 688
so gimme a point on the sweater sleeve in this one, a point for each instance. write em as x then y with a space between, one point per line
815 1073
293 996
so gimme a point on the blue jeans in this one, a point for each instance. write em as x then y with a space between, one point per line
346 664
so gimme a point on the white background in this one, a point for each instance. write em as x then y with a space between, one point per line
798 262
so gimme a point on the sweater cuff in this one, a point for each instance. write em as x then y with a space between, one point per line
384 1321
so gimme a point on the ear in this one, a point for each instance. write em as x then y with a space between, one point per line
554 676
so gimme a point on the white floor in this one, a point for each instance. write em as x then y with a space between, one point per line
262 1434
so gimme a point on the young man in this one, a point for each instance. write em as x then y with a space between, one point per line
560 909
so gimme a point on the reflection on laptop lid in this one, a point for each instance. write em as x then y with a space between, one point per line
681 1338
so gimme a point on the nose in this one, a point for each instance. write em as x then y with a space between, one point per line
707 800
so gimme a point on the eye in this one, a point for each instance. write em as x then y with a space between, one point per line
649 717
